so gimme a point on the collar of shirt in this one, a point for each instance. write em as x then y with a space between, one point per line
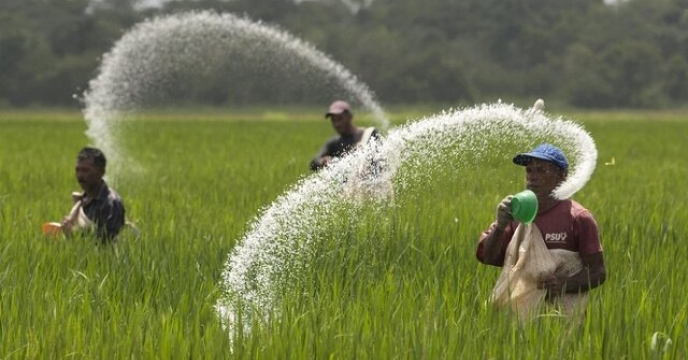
102 196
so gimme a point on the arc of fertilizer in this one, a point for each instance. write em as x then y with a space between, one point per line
127 75
269 253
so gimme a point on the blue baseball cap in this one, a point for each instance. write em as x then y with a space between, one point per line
545 152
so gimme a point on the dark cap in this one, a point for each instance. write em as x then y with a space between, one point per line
545 152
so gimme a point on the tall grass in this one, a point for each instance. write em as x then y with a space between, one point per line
401 282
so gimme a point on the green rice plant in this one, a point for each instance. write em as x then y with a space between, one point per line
380 283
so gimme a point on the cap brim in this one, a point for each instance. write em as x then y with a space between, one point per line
524 158
328 114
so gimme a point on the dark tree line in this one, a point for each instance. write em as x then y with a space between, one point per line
583 52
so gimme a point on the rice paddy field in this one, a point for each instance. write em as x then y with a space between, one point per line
396 283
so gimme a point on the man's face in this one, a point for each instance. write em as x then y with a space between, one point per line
543 176
88 174
341 122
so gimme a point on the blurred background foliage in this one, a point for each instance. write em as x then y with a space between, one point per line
583 53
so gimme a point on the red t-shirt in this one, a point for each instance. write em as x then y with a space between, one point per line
567 225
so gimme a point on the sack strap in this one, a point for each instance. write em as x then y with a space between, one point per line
367 133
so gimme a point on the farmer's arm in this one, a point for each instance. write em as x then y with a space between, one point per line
494 240
492 245
322 158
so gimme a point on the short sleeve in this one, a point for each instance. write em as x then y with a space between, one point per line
587 232
506 238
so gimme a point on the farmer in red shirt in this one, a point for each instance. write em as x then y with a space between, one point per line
564 224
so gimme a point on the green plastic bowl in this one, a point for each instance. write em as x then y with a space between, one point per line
524 206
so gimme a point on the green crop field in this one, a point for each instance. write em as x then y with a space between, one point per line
397 283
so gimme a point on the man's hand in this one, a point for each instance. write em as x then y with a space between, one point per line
592 276
504 216
553 285
66 226
325 160
76 196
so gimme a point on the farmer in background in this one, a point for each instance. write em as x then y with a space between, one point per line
99 209
350 136
564 225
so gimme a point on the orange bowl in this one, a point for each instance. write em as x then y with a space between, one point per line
52 228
